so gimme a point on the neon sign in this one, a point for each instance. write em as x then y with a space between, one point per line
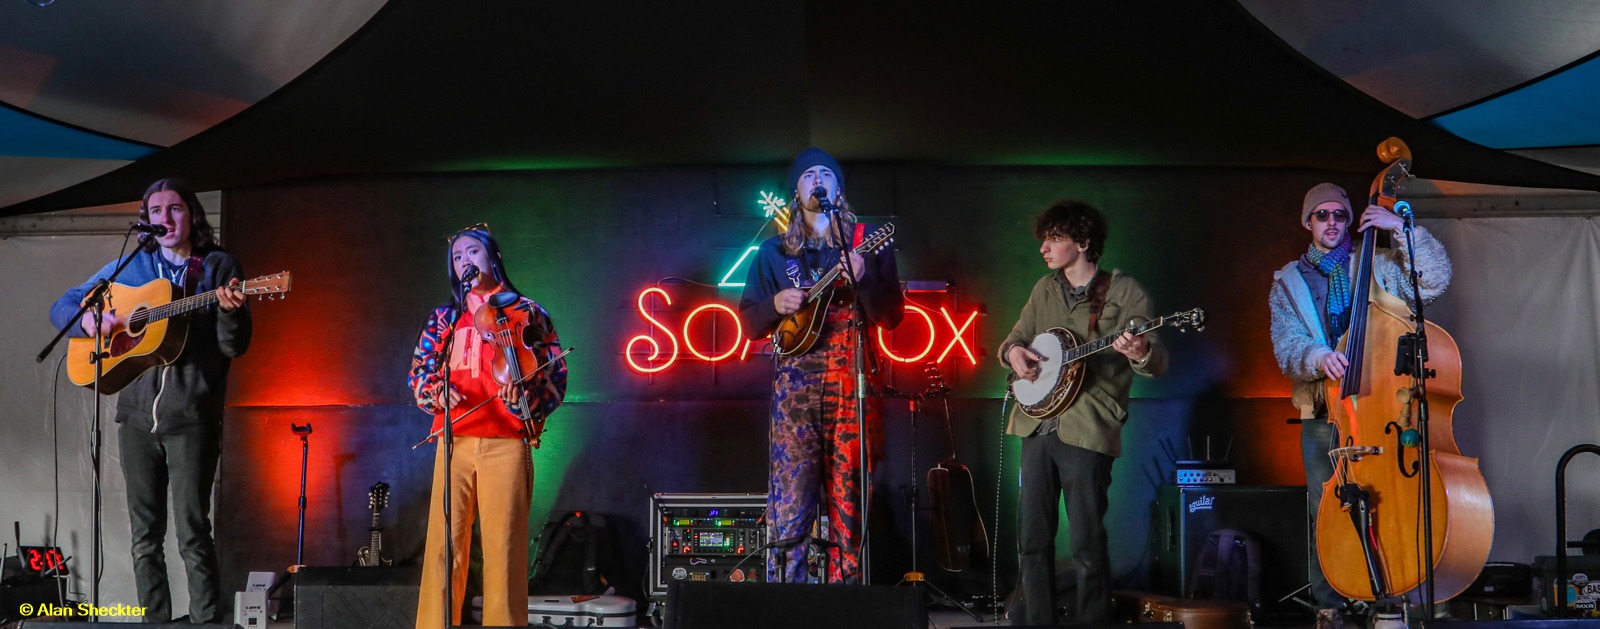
703 334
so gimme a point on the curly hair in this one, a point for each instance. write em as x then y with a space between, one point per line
1076 220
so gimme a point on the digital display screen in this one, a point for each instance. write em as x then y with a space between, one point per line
43 560
711 538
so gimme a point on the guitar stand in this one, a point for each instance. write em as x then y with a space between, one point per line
931 594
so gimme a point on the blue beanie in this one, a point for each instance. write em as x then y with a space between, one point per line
813 157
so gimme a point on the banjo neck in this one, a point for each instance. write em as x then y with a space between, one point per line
1090 348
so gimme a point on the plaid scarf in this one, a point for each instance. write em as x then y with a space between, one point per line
1333 265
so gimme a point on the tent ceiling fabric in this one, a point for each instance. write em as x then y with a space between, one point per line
433 86
1505 74
160 71
1424 58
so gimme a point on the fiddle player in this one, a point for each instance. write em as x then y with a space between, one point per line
491 470
1311 299
814 438
1070 455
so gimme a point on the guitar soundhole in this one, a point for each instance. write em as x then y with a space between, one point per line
136 328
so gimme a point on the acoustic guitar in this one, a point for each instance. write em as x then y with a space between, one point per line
1061 370
959 535
798 332
152 332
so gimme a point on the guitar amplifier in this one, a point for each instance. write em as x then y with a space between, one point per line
706 537
1274 516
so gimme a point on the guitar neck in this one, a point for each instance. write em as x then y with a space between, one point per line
1091 348
175 308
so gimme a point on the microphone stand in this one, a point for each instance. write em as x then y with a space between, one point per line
858 335
96 300
447 442
1412 359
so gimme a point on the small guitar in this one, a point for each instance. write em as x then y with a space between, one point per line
959 535
152 334
1061 371
799 331
372 555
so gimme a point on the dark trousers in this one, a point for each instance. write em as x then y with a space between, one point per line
185 464
1052 471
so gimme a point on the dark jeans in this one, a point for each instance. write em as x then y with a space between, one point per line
187 465
1051 471
1317 436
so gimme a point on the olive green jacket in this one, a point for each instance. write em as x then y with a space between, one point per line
1093 421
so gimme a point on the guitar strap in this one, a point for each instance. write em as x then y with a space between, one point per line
191 275
861 231
1099 286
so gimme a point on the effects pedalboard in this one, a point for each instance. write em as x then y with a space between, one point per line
706 537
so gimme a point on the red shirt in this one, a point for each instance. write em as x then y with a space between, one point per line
471 372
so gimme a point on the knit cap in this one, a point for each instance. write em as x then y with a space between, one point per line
813 157
1320 194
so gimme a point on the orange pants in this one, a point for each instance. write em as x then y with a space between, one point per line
492 481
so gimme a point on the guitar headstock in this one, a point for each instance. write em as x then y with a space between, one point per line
1187 320
378 497
877 240
269 285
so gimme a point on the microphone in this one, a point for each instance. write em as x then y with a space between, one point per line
1403 209
468 275
821 195
141 226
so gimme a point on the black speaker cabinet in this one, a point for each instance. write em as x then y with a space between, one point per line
721 605
357 598
1274 516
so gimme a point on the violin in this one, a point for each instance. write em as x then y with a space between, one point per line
1369 538
507 324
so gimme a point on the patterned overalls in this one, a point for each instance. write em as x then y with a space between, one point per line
816 453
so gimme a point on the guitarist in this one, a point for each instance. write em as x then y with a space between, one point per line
170 418
814 438
1310 302
1070 455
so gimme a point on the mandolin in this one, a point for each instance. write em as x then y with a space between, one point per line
799 331
372 554
153 332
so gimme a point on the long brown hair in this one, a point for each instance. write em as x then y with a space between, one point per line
202 237
800 230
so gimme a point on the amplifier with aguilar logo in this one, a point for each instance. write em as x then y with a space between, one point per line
706 537
1274 516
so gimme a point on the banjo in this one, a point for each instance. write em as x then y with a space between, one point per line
1061 370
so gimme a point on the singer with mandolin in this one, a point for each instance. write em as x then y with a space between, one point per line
501 346
1067 453
1311 301
803 289
170 416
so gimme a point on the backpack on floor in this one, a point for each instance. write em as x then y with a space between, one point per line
576 556
1228 568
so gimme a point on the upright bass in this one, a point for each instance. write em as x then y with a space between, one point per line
1369 524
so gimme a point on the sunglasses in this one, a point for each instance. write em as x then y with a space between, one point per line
483 227
1339 216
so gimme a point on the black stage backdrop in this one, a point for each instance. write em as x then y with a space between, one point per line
368 257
